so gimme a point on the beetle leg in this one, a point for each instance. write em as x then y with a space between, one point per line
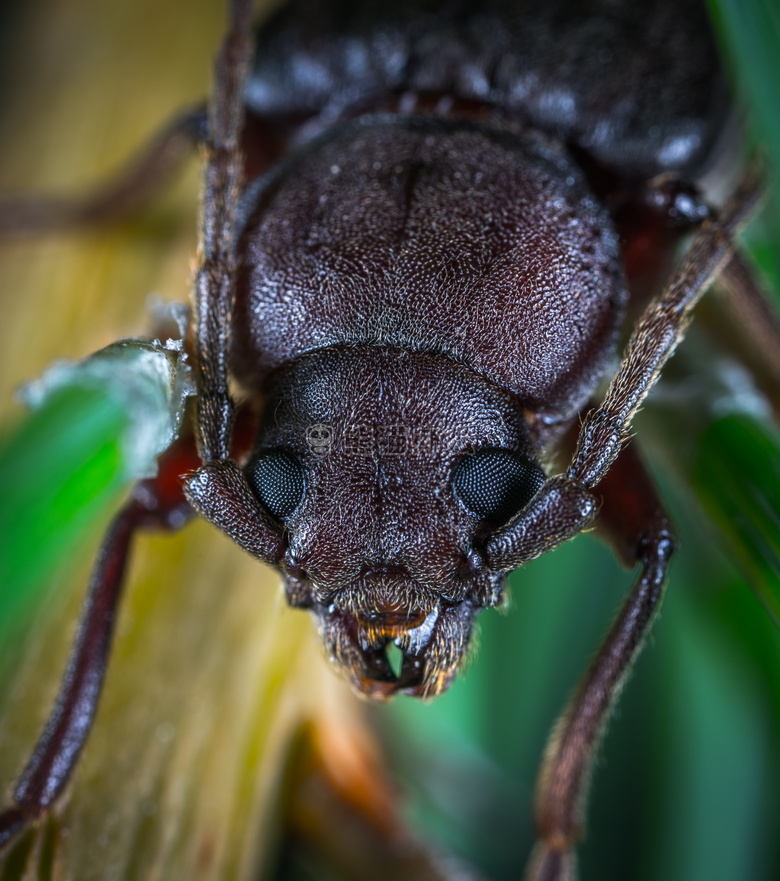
58 749
750 310
641 532
657 334
57 752
636 519
156 503
137 184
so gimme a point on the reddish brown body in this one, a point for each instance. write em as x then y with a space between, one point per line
446 208
519 276
433 259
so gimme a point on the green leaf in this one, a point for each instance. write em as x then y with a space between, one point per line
97 425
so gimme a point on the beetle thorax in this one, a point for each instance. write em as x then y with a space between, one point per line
476 243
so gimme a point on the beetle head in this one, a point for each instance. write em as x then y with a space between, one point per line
387 472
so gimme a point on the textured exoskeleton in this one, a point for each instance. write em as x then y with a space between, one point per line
424 223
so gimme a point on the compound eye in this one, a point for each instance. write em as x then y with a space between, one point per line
495 484
278 481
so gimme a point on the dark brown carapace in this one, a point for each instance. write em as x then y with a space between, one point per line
438 357
430 273
424 225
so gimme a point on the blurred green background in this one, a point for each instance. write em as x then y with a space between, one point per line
687 783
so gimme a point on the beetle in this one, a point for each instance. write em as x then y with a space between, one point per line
494 497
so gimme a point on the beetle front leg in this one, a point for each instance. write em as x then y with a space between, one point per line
57 752
640 530
659 330
156 503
